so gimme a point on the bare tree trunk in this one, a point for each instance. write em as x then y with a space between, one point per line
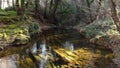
8 3
18 8
46 11
52 10
13 4
36 7
56 6
114 14
98 11
90 12
93 17
0 4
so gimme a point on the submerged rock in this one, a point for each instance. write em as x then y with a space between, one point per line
21 39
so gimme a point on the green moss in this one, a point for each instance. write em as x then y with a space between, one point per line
20 39
18 31
112 32
12 12
12 26
2 13
8 13
109 56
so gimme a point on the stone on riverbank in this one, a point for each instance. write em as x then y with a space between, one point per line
21 39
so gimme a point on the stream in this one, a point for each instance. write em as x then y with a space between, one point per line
57 48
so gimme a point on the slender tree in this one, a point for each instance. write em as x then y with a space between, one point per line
13 4
114 14
20 7
8 3
52 10
0 4
37 7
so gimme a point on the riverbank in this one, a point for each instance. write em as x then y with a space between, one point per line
51 47
104 35
16 30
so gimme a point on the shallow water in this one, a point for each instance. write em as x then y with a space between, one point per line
56 48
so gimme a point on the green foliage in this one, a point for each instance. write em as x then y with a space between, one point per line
7 13
65 14
12 12
1 10
12 26
18 31
104 28
89 2
3 13
32 28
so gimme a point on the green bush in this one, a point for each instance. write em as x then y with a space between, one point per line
32 28
66 14
12 26
102 28
12 12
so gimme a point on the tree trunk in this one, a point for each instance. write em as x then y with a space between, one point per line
36 8
13 4
46 11
0 4
8 3
114 14
18 8
89 9
52 10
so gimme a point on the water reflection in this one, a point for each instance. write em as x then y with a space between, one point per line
54 48
34 49
68 46
8 62
43 54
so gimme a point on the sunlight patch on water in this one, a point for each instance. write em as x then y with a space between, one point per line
43 54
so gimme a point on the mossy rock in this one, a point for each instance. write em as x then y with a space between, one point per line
21 39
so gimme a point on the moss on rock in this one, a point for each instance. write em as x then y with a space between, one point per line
17 31
20 39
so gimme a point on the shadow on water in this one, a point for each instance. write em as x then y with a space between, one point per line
56 48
